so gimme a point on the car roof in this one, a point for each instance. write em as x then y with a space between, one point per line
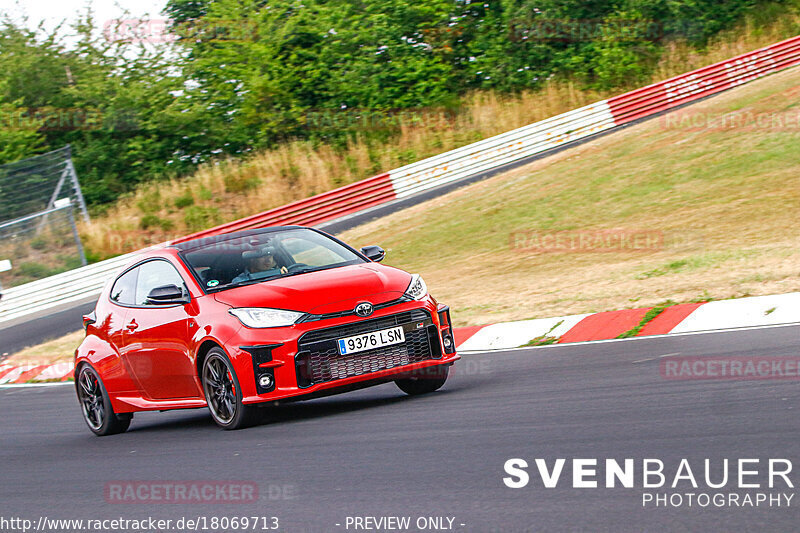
214 239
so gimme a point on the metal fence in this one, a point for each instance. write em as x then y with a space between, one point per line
39 200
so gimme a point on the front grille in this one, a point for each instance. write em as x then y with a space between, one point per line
351 312
326 316
375 324
318 359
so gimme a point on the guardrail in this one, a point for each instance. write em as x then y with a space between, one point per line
315 210
706 81
68 287
462 163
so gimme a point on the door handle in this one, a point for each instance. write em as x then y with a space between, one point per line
132 326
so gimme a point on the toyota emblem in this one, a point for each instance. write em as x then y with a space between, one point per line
364 309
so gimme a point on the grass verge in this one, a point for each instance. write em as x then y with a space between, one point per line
60 350
719 205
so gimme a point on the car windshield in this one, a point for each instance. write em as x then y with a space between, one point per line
220 263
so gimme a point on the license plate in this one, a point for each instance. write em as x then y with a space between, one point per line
368 341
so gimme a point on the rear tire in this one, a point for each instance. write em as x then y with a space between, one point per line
223 393
96 406
425 381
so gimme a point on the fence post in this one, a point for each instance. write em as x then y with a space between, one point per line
75 234
73 175
5 266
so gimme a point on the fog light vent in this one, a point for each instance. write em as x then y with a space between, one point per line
265 381
264 377
448 342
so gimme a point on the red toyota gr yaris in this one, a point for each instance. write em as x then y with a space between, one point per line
236 320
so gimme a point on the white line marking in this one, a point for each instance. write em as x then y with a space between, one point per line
656 357
26 385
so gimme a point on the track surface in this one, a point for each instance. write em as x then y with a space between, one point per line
38 329
377 452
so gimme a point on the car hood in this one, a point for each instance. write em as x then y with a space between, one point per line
325 291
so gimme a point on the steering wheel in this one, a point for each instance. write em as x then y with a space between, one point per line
295 267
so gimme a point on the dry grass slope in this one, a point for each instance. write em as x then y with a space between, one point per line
726 202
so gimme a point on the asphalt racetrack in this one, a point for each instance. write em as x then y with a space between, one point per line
37 329
379 453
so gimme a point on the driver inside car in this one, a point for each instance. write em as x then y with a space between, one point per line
260 264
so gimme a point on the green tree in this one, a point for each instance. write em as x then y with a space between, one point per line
19 132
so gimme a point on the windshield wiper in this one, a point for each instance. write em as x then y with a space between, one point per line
242 283
270 278
310 269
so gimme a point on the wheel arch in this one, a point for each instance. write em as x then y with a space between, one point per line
202 352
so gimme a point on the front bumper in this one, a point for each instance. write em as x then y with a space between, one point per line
303 361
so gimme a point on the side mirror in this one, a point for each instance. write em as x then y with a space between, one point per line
374 253
167 295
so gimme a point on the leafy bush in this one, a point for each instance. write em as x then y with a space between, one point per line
184 200
198 218
205 194
154 221
238 182
149 221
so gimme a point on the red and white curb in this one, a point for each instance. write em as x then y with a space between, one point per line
683 318
35 374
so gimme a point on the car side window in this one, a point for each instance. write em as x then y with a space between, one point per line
124 290
156 274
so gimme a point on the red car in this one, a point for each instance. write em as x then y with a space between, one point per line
237 320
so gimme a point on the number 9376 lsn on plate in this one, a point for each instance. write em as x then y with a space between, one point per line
368 341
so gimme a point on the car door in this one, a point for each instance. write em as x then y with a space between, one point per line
112 321
156 337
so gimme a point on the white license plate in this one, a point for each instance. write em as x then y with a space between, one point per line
368 341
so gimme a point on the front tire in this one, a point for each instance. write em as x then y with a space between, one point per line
424 381
96 405
223 393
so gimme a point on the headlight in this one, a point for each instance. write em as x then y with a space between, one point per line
261 317
417 289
